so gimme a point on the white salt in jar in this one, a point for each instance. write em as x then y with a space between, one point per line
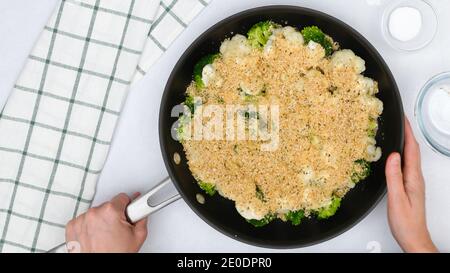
409 24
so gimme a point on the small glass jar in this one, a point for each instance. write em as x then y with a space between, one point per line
428 24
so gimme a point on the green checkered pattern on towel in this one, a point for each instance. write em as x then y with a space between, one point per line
58 123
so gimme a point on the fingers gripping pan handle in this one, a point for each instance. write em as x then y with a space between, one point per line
144 206
138 209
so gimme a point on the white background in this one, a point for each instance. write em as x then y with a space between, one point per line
135 162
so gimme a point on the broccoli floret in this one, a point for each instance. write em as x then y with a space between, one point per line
373 128
264 221
329 210
314 34
190 103
210 189
198 69
361 170
259 34
295 217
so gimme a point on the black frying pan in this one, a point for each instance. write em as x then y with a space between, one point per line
221 213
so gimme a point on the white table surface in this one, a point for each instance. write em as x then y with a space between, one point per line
135 162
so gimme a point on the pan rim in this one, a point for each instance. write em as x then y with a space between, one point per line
256 242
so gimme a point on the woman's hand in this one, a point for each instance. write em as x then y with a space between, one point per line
106 229
406 198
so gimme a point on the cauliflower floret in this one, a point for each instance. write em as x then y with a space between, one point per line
269 45
292 35
236 47
285 206
248 213
313 45
208 74
373 104
371 141
373 153
346 58
367 86
316 52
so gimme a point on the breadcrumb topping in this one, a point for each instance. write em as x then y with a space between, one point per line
326 108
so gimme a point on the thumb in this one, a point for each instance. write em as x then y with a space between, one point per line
394 177
140 230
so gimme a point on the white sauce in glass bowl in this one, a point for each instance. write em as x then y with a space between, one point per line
439 108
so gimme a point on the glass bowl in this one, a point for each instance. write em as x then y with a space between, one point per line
433 113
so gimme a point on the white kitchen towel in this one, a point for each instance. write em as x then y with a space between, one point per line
57 125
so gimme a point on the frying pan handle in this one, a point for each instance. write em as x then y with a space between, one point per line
143 207
138 209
